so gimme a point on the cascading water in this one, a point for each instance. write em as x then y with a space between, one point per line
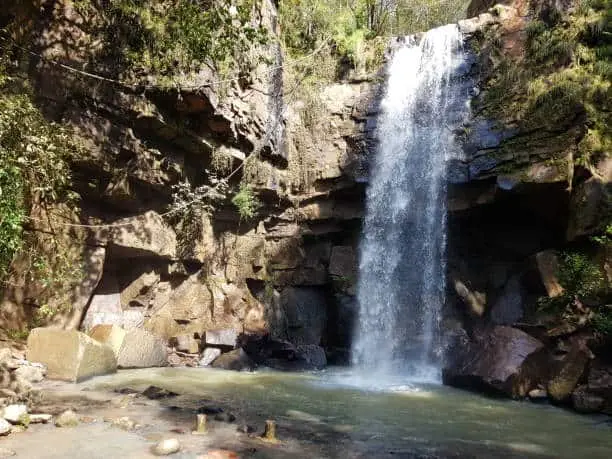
401 286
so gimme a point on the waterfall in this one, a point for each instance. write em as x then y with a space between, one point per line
402 266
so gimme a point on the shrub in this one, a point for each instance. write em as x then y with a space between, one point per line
246 202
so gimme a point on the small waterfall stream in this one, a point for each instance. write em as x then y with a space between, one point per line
402 266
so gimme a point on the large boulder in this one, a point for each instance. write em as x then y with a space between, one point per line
491 362
222 338
547 263
585 401
236 360
508 309
599 383
568 373
111 335
70 355
141 349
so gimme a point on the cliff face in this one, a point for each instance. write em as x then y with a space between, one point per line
530 199
161 245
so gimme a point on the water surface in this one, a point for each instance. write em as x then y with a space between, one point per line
338 414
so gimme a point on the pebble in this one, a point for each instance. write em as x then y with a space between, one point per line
5 427
67 419
40 418
167 447
15 413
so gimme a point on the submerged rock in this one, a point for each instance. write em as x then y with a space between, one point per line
236 360
209 355
156 393
584 401
492 361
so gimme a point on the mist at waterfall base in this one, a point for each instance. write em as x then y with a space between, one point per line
401 286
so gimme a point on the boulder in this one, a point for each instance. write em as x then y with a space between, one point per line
492 361
547 263
186 343
15 414
111 335
508 308
305 309
209 355
226 337
599 382
236 360
70 355
589 202
138 292
5 427
141 349
30 373
191 308
142 236
568 374
584 401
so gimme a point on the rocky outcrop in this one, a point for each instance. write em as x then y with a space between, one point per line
492 361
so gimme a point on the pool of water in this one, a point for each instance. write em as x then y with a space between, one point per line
345 414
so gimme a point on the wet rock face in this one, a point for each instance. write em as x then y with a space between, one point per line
492 360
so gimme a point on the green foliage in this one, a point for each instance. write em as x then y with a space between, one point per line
584 282
246 202
352 25
169 36
33 164
17 335
602 321
565 76
580 276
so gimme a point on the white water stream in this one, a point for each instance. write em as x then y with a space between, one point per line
402 267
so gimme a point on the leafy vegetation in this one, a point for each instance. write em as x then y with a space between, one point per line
353 27
586 292
167 36
33 164
246 202
565 76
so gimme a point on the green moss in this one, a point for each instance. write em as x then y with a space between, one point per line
564 78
